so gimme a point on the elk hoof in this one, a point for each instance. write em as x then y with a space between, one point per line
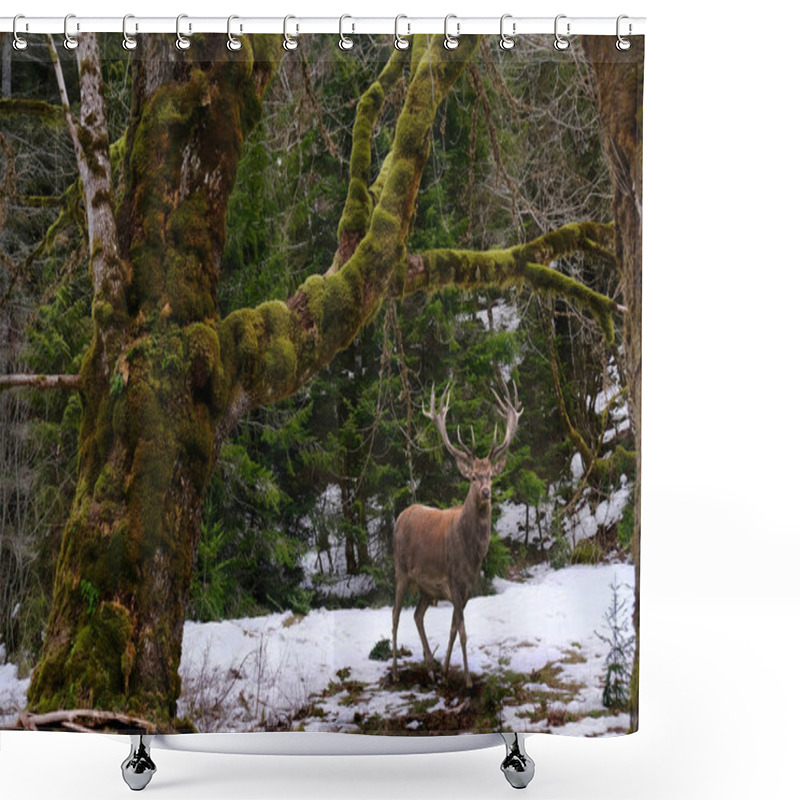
517 766
138 768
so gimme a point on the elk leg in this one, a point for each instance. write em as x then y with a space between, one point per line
453 630
419 614
400 592
462 634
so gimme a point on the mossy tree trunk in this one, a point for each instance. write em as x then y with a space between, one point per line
152 383
619 79
166 378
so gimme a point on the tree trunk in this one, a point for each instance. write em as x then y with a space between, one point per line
5 66
619 77
153 391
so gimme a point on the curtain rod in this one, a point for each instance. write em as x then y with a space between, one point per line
294 26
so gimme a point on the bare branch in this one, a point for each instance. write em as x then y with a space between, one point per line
91 145
91 718
40 381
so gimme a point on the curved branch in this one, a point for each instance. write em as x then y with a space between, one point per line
358 206
40 381
525 263
272 350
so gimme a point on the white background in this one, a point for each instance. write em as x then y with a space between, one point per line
720 600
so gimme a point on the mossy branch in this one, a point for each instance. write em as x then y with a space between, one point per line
358 205
274 349
522 264
31 108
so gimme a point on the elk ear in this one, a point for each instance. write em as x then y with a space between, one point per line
464 467
498 466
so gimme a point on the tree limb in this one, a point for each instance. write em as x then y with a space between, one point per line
31 108
276 348
92 719
358 206
525 263
91 145
40 381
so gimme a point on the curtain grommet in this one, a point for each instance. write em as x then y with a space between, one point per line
506 41
623 44
560 43
450 41
19 43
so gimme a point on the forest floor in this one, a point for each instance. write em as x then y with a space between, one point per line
535 655
537 662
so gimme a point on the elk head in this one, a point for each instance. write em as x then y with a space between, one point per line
479 471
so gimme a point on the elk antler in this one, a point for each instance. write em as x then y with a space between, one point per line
438 419
512 411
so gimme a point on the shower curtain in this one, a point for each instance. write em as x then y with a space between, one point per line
320 385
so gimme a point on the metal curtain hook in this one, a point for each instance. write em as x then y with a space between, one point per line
400 42
345 42
622 43
451 42
181 42
128 42
560 42
70 42
506 42
289 42
233 43
19 43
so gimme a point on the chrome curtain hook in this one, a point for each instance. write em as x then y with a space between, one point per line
506 42
345 42
128 42
234 44
289 42
622 43
70 42
400 42
451 42
19 43
182 42
560 42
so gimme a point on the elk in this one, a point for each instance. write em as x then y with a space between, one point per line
441 550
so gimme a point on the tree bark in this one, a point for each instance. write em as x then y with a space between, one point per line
151 383
619 78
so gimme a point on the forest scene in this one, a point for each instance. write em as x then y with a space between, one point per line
258 307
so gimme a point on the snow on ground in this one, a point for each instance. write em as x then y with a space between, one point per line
584 523
12 691
260 673
267 669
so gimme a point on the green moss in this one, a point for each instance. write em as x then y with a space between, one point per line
276 317
204 354
280 363
93 674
